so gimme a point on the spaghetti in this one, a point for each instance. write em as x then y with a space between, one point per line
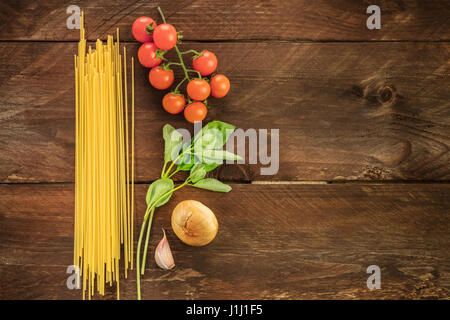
104 183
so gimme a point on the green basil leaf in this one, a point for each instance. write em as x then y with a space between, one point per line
217 156
198 172
186 162
211 167
157 190
212 185
213 135
173 142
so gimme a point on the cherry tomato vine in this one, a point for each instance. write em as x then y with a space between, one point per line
157 41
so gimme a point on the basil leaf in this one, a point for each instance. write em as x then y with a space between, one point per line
198 172
186 162
211 167
217 156
172 140
212 185
213 135
158 189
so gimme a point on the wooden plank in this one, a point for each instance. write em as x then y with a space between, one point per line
346 111
274 242
233 20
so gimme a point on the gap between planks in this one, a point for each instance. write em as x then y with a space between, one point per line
254 40
262 182
289 182
385 182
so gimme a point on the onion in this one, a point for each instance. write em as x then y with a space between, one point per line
194 223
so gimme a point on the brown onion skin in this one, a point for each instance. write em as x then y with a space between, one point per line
194 223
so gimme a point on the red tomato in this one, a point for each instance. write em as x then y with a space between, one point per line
165 36
198 89
139 29
196 111
173 103
220 85
206 63
160 79
147 55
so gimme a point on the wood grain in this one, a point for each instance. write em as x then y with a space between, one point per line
274 242
346 111
351 104
233 20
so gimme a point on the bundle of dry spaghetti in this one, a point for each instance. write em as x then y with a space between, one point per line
104 182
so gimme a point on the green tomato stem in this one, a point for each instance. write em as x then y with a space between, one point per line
176 49
180 57
172 63
198 73
161 14
182 62
179 84
192 51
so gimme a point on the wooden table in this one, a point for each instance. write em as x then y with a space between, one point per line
364 119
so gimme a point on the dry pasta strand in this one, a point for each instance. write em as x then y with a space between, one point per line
104 181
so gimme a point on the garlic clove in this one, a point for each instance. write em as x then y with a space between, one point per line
163 254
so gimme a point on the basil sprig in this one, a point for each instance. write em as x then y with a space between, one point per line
201 155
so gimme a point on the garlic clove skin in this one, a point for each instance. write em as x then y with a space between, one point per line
194 223
163 254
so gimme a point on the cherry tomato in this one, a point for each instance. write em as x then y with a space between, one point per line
206 63
173 103
139 29
220 85
196 111
160 79
198 89
147 55
165 36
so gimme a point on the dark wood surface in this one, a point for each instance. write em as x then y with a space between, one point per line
346 111
234 20
274 242
364 119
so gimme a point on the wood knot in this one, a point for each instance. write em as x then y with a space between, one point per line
376 173
386 94
375 90
358 91
238 172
